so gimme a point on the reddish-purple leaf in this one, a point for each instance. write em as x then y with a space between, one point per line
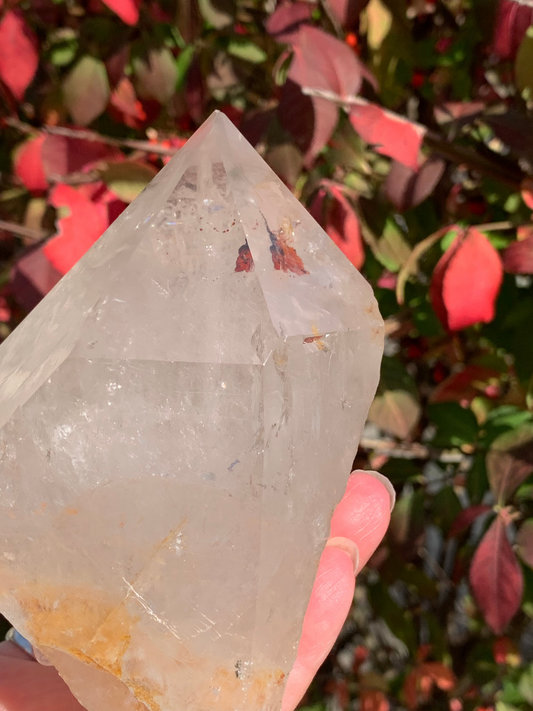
33 276
28 164
391 135
286 21
524 540
62 155
465 385
518 257
496 577
127 10
407 188
18 53
510 461
466 281
310 120
512 20
78 231
189 20
466 518
337 216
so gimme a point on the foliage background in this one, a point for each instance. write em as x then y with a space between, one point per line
406 127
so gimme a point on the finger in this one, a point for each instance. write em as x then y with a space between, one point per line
25 685
329 605
358 525
363 515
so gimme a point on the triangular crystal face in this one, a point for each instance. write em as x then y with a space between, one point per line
179 417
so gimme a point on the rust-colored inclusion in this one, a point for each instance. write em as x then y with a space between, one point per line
245 262
284 256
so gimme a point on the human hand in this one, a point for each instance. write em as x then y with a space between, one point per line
358 525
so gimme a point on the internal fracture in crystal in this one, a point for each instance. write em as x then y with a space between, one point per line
178 420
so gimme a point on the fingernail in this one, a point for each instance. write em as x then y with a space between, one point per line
348 546
386 483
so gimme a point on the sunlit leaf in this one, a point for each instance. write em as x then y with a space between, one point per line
86 90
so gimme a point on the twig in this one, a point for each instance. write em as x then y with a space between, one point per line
86 135
413 450
22 231
492 167
496 226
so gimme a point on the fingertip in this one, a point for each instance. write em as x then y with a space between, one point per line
363 515
360 475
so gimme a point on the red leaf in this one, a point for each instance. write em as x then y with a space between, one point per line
391 135
518 257
127 10
496 577
76 232
465 385
466 281
406 188
339 220
512 20
18 53
285 22
320 62
524 540
28 164
126 104
466 518
62 155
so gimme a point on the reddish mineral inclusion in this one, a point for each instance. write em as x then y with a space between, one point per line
178 418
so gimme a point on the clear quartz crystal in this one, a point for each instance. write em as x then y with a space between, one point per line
178 420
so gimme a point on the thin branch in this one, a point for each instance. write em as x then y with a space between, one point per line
22 231
413 450
85 135
490 166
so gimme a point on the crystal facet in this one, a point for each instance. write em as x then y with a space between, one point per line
178 419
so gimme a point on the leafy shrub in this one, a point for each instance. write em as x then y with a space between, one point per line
406 128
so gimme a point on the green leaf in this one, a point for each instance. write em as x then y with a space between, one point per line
445 507
246 49
86 90
183 63
156 75
217 13
455 425
392 249
524 65
525 685
127 179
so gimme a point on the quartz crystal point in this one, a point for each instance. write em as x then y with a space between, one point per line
178 420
